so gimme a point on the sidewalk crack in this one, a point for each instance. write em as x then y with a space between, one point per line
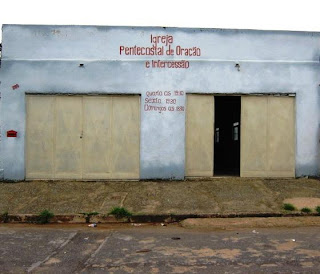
88 262
37 264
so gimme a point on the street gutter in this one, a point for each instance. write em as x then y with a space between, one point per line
161 218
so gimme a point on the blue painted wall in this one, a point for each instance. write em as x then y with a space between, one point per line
45 59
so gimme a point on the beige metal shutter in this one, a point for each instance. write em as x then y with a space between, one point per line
267 136
83 137
126 137
97 137
199 135
40 137
68 142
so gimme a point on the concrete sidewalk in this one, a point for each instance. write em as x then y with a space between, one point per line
229 195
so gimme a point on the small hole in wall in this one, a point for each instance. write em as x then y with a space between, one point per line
237 66
81 65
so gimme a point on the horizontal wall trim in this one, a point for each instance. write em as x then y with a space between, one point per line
290 94
164 59
81 94
215 93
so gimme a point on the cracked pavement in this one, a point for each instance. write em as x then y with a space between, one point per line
157 249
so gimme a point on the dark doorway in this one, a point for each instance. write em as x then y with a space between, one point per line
227 135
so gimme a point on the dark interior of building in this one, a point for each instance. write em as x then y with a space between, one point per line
227 135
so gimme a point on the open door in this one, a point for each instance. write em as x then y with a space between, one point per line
199 135
227 135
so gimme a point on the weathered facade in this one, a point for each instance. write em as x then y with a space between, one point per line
95 102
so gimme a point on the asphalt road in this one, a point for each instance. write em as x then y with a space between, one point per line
157 249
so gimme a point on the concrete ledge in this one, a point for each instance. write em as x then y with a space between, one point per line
243 223
164 218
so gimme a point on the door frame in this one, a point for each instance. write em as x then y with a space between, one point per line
214 94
